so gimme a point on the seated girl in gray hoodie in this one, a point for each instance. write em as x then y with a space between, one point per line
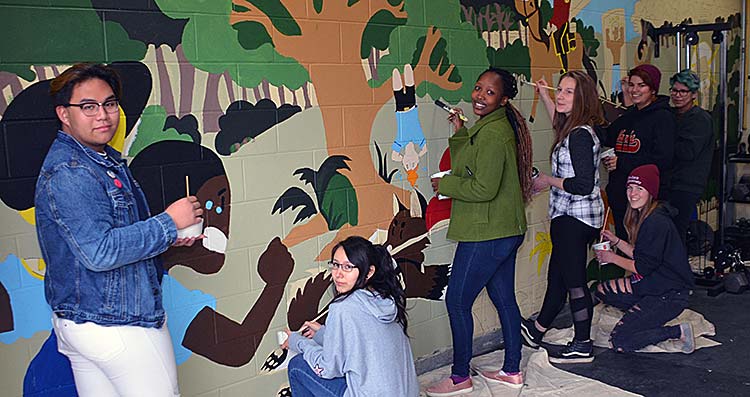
363 350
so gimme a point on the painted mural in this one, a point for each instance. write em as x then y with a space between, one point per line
299 123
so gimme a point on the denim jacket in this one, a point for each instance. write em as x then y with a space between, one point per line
98 239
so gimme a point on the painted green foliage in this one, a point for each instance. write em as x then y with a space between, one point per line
213 45
279 15
378 30
514 58
590 43
339 204
151 130
60 36
406 43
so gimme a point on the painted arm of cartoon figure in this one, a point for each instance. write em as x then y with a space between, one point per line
221 339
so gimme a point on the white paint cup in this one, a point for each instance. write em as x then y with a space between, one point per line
440 175
194 230
607 153
281 337
603 246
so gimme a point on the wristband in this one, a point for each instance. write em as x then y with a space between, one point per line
618 242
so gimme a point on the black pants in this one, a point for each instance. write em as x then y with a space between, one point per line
645 316
685 203
567 275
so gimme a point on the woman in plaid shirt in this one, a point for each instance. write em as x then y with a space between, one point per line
576 211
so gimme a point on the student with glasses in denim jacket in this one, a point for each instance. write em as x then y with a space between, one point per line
363 349
100 243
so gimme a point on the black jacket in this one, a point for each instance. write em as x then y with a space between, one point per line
645 136
693 152
660 258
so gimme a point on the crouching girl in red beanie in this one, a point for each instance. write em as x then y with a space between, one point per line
658 289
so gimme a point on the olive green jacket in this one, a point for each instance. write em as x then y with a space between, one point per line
487 201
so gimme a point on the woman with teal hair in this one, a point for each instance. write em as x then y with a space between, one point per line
694 147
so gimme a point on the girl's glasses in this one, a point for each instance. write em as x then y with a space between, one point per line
347 267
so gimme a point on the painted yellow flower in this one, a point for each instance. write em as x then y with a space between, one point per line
542 249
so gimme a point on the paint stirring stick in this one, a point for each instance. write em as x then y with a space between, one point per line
187 186
606 215
450 110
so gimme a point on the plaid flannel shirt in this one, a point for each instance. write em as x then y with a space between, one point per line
588 209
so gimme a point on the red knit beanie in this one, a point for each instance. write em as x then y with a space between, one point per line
647 177
652 72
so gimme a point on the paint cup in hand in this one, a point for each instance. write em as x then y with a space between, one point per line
194 230
603 246
607 153
440 175
281 337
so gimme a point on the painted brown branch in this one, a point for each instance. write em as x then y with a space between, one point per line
423 68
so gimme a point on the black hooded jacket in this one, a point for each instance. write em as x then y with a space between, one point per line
645 136
660 258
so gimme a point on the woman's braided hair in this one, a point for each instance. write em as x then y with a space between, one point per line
520 129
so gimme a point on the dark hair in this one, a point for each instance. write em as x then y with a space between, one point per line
587 110
61 87
520 129
386 281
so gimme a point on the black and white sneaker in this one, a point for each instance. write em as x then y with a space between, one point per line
532 337
575 352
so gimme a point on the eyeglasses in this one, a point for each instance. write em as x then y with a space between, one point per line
92 108
679 92
347 267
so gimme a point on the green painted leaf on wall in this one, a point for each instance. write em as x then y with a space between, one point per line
339 205
281 19
514 58
378 31
151 130
61 36
251 35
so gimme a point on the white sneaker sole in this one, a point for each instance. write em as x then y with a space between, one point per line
571 360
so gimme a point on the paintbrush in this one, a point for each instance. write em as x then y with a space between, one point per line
451 110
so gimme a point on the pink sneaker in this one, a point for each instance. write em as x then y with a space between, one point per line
446 388
514 381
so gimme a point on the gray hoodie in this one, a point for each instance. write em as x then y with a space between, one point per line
363 342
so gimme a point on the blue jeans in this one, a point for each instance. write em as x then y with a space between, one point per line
304 382
476 265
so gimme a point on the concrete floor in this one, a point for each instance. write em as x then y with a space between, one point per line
717 371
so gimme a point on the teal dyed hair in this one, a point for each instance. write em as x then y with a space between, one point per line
687 77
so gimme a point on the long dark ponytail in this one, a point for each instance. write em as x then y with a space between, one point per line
520 129
385 281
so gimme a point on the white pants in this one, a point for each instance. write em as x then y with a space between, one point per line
118 360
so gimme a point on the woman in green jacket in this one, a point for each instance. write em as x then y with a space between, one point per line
490 181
